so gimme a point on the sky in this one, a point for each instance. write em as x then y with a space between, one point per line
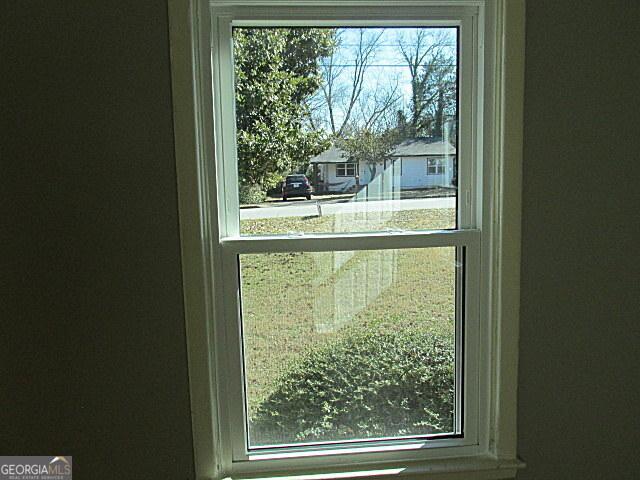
388 66
388 61
387 70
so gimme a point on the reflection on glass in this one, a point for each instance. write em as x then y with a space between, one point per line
346 129
348 345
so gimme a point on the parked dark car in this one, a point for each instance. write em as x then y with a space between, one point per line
296 186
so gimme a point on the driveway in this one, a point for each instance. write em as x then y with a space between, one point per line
306 208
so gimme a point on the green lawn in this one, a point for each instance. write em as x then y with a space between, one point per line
437 218
292 301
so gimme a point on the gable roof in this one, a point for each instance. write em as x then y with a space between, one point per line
415 147
331 155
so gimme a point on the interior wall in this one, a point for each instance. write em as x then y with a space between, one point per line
93 355
579 375
93 345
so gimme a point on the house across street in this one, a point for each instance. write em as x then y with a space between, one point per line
415 163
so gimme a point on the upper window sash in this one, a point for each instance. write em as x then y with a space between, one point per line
225 16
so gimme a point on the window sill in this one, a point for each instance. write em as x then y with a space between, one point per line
470 468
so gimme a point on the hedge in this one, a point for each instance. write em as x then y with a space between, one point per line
364 384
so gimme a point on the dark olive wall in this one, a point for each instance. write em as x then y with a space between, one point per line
91 321
579 391
92 328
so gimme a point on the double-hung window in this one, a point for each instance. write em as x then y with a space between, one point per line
435 166
358 335
346 170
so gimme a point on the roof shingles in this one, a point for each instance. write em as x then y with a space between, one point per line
415 147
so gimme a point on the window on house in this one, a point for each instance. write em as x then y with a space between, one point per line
346 170
360 328
435 166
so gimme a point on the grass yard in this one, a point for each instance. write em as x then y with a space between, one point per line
293 301
431 219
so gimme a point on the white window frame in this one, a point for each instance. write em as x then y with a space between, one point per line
436 162
210 241
346 167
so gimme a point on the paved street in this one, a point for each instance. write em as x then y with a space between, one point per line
304 208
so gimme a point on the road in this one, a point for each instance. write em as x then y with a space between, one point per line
305 208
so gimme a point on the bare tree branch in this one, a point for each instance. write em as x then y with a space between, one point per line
375 111
366 50
341 99
418 52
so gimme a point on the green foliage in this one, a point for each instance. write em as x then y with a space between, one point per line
276 70
250 194
432 66
368 147
438 94
367 383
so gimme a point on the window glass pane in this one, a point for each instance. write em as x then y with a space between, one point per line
354 113
348 345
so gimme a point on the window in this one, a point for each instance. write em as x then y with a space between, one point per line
314 324
375 330
435 166
346 170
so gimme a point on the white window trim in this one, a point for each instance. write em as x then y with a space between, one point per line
439 165
346 167
468 407
190 38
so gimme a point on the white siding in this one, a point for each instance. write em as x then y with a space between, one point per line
414 175
335 183
414 172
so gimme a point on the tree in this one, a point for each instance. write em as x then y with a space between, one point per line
276 71
439 95
345 101
368 147
433 83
